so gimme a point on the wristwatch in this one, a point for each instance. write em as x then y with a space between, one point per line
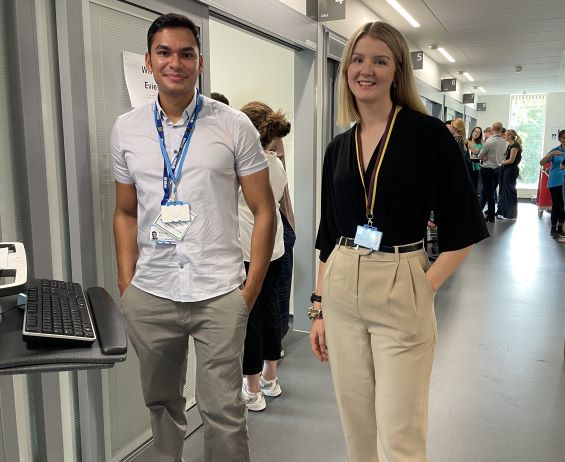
315 298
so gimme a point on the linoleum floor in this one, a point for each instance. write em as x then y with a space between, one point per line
498 384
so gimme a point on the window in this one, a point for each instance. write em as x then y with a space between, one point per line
527 117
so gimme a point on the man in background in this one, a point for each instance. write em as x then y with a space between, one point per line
492 155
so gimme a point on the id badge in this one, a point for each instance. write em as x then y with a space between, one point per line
159 236
368 236
175 212
176 229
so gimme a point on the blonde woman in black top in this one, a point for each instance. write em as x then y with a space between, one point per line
508 202
373 313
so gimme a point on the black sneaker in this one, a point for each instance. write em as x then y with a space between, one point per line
554 233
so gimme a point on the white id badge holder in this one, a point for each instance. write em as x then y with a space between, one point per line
368 236
174 212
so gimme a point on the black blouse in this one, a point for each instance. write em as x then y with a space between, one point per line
415 179
518 157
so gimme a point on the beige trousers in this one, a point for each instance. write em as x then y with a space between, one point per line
381 333
158 329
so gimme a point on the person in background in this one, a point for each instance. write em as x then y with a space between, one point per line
474 144
284 284
561 239
219 97
373 305
487 133
263 339
457 129
186 150
508 204
491 155
555 184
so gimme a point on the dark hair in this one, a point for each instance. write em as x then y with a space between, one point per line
170 21
219 97
268 123
560 133
471 134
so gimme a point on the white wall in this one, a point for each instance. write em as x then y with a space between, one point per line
299 5
554 118
245 67
498 110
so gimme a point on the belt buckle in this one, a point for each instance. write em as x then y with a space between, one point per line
345 243
354 246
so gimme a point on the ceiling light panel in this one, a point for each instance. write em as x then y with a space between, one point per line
469 77
398 7
445 54
482 89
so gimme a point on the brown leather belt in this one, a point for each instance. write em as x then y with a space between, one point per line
349 242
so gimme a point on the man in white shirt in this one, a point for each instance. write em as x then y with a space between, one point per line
178 163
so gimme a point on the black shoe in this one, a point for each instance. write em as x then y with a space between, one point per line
489 220
554 233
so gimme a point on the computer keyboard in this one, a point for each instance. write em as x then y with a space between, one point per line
57 310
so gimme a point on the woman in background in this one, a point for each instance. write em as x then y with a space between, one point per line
555 185
284 284
474 145
263 340
457 129
508 202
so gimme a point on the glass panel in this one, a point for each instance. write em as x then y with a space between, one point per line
527 117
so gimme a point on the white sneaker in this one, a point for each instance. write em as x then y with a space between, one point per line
270 387
254 401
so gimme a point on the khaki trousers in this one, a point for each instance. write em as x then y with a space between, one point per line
381 333
158 329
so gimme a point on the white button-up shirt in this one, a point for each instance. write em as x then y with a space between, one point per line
278 180
208 261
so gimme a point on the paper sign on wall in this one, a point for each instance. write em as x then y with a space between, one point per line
554 133
139 80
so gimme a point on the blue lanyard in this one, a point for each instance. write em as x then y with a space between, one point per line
170 171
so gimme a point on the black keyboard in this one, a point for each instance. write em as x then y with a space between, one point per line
57 310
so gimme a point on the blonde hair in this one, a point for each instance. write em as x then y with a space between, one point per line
403 92
514 135
459 127
269 124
